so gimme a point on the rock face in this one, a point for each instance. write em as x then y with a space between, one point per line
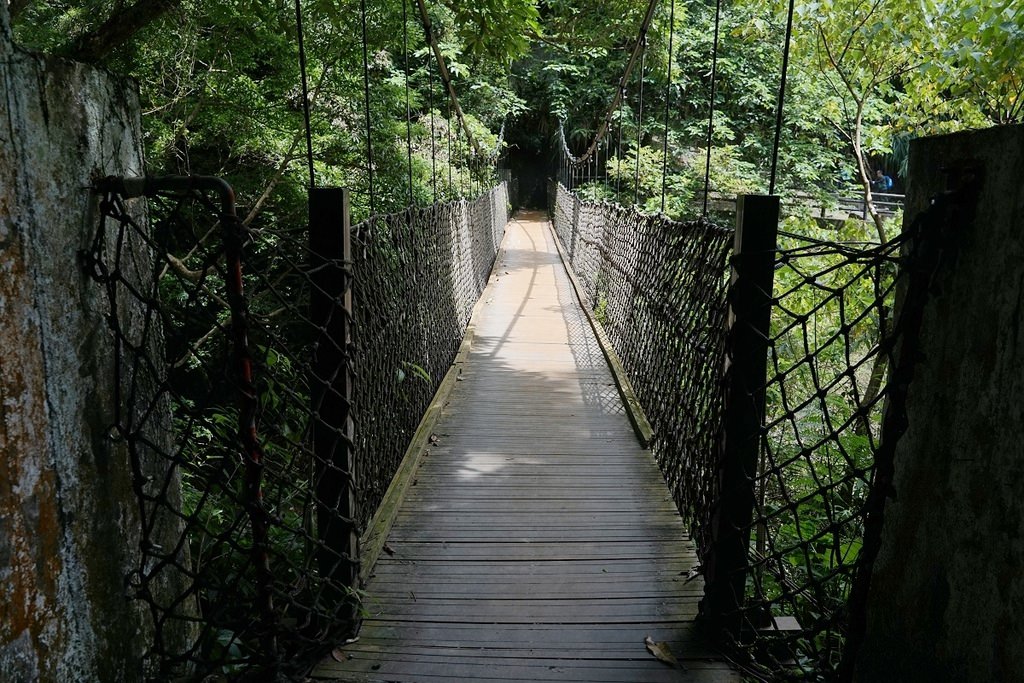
947 588
69 520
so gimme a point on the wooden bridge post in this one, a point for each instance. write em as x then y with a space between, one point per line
331 385
750 299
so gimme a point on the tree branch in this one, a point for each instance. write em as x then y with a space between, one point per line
835 64
117 30
857 28
839 129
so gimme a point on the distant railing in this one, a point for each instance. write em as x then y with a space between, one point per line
886 203
833 207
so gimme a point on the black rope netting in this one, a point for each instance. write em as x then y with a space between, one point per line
419 273
661 291
842 351
221 393
658 287
829 354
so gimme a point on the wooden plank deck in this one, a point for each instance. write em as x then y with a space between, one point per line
538 541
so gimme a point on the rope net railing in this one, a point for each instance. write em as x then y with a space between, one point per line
658 288
230 413
424 271
662 293
829 353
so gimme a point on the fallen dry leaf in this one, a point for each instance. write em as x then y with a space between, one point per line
662 652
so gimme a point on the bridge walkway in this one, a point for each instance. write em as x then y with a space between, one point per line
537 540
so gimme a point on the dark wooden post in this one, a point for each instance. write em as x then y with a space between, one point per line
753 272
331 385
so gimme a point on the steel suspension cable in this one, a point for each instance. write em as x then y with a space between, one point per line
618 157
639 126
446 78
668 97
639 48
458 151
779 107
711 104
366 106
433 149
305 92
408 109
449 126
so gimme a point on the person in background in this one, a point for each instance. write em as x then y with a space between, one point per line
882 182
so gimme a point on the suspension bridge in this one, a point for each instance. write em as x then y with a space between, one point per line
578 476
439 444
537 540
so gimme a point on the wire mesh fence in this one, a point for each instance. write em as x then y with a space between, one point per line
221 395
661 291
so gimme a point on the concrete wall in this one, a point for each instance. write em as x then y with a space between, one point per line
947 595
68 516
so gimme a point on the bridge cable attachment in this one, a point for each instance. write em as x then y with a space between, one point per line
366 108
639 123
408 108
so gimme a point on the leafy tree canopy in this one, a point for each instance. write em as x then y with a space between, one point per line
221 94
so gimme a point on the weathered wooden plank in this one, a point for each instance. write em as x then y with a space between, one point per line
429 534
534 466
660 587
444 473
483 668
526 573
528 552
594 652
527 495
421 530
456 520
529 635
466 448
511 606
461 667
552 507
614 654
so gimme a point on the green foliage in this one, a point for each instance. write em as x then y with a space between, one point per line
498 29
974 53
220 91
220 87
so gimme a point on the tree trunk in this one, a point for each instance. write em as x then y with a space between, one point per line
865 176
